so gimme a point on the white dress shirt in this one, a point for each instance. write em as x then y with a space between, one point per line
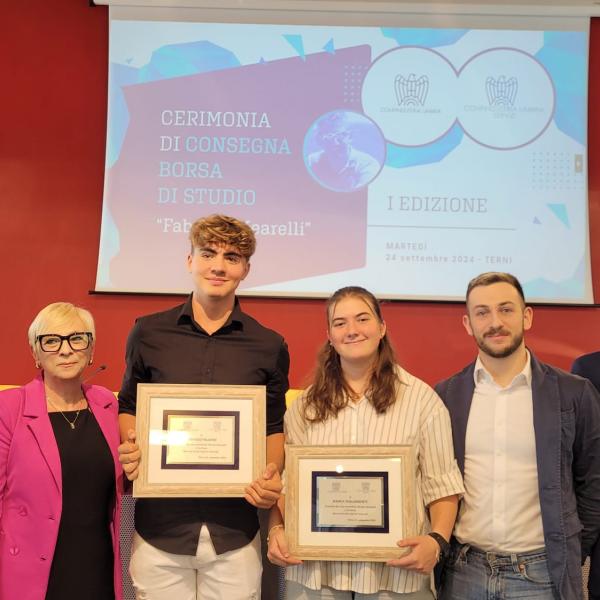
500 511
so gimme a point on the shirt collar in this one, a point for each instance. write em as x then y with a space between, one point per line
481 374
235 320
402 375
403 380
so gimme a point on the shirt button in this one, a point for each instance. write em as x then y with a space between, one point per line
23 511
13 550
43 557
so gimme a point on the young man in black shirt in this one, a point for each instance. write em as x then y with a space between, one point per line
201 548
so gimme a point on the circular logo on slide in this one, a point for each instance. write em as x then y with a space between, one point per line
344 150
410 93
507 97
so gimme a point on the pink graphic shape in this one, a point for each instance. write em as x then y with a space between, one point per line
293 93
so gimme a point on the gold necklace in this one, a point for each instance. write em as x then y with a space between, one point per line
71 423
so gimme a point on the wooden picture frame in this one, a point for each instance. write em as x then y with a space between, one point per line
199 440
349 503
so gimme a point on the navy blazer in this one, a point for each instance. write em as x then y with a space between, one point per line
588 366
566 421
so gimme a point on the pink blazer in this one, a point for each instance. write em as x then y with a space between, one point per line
31 487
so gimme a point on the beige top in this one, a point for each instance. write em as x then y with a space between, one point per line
419 418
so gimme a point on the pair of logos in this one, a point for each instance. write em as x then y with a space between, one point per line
413 91
365 486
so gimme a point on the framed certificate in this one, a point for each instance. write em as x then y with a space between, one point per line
199 440
349 502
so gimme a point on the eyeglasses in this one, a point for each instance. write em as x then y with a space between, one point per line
52 342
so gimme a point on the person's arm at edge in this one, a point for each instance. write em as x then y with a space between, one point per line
586 467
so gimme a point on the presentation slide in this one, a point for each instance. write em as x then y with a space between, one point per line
403 160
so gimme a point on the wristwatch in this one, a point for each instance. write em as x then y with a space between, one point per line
443 544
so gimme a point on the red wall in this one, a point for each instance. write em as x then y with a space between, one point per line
52 136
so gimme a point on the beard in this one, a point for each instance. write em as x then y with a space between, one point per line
502 352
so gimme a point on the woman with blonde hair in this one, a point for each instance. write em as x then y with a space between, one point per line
60 477
360 395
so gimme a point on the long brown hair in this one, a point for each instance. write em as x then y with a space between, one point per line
329 392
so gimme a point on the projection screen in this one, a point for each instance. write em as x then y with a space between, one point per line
402 153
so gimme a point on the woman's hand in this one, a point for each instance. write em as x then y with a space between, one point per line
129 456
423 556
278 552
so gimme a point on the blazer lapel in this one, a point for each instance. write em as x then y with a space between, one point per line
458 399
548 435
547 424
36 417
106 418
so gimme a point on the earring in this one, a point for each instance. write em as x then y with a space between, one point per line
91 361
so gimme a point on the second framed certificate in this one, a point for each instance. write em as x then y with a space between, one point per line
199 440
349 502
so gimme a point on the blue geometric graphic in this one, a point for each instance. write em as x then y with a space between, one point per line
400 157
560 210
177 60
564 55
571 287
427 38
295 41
174 60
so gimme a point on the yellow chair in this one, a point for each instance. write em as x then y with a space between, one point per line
291 395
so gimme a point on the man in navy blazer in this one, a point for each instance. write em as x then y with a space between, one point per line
527 440
588 366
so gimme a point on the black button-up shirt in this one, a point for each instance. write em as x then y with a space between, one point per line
170 347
